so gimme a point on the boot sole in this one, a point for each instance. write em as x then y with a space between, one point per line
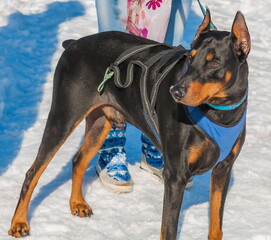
113 187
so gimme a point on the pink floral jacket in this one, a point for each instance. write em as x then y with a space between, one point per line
148 18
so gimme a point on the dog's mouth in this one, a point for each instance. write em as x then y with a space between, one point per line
196 93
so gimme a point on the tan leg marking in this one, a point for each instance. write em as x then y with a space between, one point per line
19 224
163 231
196 151
87 151
236 149
215 232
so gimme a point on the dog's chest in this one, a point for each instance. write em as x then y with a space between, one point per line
223 136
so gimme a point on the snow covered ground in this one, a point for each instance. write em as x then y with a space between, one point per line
31 33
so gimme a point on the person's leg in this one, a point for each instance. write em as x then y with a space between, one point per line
110 14
169 29
152 160
178 17
111 166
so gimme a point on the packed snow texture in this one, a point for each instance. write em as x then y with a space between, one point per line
31 33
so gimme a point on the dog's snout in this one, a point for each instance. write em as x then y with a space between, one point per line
178 92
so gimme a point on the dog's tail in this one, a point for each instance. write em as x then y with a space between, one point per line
67 43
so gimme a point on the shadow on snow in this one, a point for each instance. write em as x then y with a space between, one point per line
28 43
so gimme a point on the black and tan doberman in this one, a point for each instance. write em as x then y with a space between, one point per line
191 104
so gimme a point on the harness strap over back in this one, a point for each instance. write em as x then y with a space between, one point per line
124 56
159 64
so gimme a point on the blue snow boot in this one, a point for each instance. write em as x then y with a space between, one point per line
112 166
152 160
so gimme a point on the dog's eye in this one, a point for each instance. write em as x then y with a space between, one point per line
214 64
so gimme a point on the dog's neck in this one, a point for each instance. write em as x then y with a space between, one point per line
224 117
229 107
231 110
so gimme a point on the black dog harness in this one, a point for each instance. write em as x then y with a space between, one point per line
160 64
155 69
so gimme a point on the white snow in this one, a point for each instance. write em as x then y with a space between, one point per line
30 48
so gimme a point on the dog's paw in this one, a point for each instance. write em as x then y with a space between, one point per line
19 229
81 209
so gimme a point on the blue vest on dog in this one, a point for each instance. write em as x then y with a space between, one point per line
224 137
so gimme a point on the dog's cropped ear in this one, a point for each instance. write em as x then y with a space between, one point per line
205 25
240 35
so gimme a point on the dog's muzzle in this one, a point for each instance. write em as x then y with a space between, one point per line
178 92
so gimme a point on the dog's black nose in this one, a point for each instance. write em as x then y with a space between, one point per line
178 92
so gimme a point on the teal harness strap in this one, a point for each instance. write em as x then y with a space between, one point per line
229 107
212 26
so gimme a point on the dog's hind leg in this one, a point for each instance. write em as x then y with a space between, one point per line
55 134
57 130
68 109
220 179
97 130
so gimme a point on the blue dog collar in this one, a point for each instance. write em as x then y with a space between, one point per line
228 107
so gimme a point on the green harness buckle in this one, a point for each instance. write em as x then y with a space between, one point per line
108 74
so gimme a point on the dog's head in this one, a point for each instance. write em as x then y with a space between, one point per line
215 70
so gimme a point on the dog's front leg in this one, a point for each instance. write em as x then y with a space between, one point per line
219 185
220 179
173 195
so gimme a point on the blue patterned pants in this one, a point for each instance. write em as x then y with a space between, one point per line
115 143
